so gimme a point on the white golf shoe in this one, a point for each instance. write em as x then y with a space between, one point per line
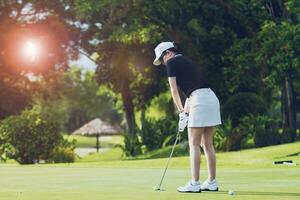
210 186
190 187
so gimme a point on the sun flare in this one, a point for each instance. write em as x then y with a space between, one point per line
31 50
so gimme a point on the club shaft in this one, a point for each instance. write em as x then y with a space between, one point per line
162 178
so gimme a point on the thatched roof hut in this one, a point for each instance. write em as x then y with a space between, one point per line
98 128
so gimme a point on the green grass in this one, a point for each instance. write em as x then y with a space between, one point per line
105 141
250 173
113 154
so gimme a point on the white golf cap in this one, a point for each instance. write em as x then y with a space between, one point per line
163 46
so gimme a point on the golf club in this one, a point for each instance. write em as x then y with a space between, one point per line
162 178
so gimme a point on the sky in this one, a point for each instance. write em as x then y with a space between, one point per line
84 63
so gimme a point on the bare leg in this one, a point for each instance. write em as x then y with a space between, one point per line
210 155
194 145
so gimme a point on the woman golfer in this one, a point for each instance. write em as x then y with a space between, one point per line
201 112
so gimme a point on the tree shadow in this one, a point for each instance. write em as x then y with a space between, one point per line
289 155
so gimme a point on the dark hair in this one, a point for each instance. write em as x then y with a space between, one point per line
176 48
162 55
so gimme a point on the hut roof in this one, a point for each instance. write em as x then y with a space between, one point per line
98 127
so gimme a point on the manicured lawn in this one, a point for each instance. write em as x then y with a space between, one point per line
105 141
250 173
110 155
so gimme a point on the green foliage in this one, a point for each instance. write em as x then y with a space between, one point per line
240 72
160 106
86 101
132 145
18 94
75 98
158 133
293 6
64 152
279 50
255 43
231 138
243 104
6 149
33 134
37 20
269 60
222 135
265 130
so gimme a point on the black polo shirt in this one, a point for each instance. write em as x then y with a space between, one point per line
188 75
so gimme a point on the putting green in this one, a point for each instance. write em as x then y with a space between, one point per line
250 174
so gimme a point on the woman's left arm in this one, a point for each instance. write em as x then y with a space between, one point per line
175 93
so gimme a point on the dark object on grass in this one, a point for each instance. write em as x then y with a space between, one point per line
282 162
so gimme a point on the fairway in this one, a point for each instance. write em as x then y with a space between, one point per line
254 178
76 182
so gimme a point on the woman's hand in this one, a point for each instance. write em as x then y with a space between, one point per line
183 121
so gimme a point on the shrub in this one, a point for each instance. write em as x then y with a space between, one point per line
158 133
266 131
261 128
64 152
242 133
222 135
132 145
243 104
33 134
6 149
227 137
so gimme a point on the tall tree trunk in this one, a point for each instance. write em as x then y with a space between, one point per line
129 109
288 111
143 116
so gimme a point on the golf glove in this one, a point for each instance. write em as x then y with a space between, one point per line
183 120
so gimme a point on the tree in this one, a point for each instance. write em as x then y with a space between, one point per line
123 33
268 61
125 63
23 20
33 134
74 98
280 50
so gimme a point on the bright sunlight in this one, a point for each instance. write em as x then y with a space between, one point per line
31 50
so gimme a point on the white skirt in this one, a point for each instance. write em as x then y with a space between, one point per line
204 109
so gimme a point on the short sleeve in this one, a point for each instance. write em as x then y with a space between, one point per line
171 68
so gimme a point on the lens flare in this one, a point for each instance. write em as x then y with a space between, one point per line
31 50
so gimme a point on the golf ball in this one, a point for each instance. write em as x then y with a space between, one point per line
230 192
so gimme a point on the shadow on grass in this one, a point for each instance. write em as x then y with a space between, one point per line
289 155
257 193
163 153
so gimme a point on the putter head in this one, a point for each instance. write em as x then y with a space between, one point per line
156 188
